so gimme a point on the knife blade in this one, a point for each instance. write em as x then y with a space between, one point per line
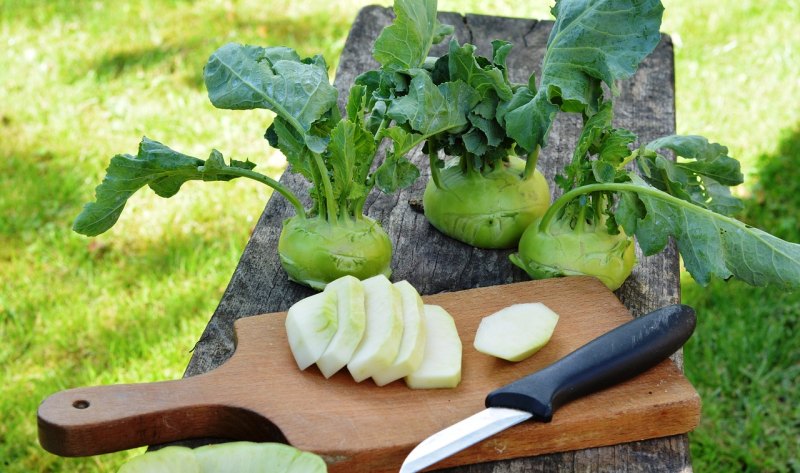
616 356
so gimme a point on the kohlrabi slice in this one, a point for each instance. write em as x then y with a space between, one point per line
383 332
314 251
516 332
172 459
351 319
412 345
311 323
441 363
250 457
232 457
487 210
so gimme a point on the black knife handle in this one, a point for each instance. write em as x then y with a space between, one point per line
620 354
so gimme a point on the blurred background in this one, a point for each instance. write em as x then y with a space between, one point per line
83 80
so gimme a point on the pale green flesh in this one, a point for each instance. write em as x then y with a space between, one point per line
441 363
311 324
516 332
412 345
351 319
383 331
233 457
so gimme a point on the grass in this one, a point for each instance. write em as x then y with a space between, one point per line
81 80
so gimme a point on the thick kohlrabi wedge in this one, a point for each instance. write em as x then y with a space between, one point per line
383 332
167 460
516 332
311 324
441 363
351 320
233 457
412 345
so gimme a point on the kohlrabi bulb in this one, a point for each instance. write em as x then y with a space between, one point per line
488 210
315 252
561 250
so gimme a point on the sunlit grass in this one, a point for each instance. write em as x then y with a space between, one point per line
83 80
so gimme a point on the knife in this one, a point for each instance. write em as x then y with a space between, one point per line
620 354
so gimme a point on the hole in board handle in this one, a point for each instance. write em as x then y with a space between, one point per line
80 404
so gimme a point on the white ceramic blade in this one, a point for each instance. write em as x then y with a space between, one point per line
461 435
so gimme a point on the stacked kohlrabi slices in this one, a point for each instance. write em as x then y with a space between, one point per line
377 329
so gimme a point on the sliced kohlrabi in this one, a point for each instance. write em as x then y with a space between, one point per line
233 457
311 323
441 363
351 320
383 332
516 332
412 345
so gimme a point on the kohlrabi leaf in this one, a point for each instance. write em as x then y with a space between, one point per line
430 109
155 165
484 78
711 245
701 175
352 150
396 172
248 77
405 43
592 41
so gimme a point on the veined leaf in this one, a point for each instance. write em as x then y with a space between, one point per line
702 177
429 109
155 165
591 41
405 43
352 150
712 244
396 172
600 39
247 77
483 78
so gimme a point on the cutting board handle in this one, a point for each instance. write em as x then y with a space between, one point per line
104 419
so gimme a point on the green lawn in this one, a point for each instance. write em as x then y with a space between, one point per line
82 80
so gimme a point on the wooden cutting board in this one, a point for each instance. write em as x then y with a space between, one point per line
259 394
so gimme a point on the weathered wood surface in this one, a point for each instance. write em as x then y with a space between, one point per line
434 263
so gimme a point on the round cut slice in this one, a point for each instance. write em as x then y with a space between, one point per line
383 332
311 324
351 319
412 345
516 332
441 363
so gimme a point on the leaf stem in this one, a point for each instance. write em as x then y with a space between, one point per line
283 190
567 197
330 203
530 163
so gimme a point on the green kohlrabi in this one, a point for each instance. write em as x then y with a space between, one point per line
334 152
585 230
464 106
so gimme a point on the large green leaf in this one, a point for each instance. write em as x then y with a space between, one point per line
711 244
592 41
242 77
702 176
155 165
430 109
483 77
405 43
